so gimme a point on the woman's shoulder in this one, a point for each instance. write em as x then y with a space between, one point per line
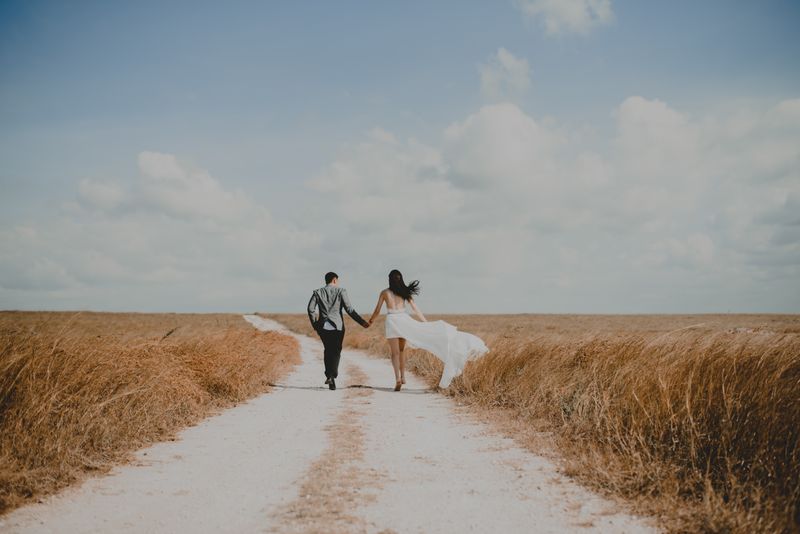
387 294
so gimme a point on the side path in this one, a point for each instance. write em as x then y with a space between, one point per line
306 459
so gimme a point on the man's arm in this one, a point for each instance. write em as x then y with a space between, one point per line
312 308
351 311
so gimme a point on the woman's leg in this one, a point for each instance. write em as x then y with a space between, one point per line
402 347
394 346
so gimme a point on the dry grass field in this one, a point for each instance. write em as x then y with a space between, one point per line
80 391
695 419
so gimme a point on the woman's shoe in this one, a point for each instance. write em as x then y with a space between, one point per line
398 386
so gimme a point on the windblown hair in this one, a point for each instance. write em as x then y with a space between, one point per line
399 287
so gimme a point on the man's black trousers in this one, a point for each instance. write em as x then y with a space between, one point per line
332 340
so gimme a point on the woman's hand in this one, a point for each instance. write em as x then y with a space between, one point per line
375 313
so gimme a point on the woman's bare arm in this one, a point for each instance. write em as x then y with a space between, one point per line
416 310
381 298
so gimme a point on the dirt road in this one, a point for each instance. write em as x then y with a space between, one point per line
306 459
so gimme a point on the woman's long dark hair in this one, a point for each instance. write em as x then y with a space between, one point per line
399 287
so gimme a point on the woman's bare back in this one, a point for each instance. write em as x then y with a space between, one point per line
391 300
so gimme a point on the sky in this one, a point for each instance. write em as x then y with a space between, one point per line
520 156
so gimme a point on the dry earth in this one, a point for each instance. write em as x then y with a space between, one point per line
306 459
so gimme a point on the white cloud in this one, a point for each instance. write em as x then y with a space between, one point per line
176 238
101 195
504 77
654 139
500 144
381 185
184 191
567 16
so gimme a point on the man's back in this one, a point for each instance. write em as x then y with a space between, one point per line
329 301
330 304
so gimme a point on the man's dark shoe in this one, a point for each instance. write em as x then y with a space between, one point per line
328 380
332 384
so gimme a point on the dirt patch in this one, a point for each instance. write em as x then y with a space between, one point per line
337 484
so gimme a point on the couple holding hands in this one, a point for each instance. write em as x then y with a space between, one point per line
440 338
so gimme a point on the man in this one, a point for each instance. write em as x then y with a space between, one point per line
329 324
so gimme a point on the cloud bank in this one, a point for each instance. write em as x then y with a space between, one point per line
503 212
173 239
672 209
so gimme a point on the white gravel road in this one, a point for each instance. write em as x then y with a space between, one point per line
305 459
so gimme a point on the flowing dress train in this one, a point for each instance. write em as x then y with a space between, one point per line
443 340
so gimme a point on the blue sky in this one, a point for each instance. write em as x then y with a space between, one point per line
272 100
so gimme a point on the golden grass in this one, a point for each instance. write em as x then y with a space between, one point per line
695 419
80 391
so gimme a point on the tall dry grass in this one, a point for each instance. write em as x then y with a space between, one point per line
695 419
79 391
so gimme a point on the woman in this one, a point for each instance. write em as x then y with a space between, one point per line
442 339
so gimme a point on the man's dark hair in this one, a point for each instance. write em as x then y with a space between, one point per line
329 277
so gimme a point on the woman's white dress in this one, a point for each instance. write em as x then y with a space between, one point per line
442 339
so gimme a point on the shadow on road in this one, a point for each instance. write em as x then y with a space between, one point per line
362 386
